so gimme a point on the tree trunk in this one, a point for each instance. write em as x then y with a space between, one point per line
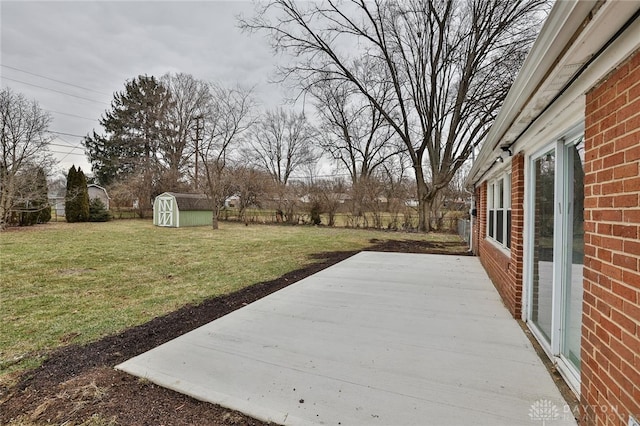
433 207
214 221
7 189
423 201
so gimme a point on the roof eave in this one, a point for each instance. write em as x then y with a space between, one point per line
565 20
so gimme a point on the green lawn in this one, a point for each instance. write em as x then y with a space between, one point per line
63 283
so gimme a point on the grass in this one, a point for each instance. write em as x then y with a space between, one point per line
75 283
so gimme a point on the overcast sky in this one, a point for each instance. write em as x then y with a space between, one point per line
96 46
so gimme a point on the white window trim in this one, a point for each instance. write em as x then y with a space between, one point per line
492 201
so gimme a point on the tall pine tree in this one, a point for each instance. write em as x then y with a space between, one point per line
76 204
135 126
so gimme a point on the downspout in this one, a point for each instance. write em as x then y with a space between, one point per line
471 208
472 204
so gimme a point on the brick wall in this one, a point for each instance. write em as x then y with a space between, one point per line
506 270
610 388
516 272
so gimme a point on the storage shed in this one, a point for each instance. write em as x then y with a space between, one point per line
179 210
96 191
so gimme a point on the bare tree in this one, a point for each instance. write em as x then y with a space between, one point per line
23 147
251 186
189 100
227 118
396 188
374 201
286 201
353 132
326 194
451 64
281 143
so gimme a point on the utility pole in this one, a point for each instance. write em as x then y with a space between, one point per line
197 141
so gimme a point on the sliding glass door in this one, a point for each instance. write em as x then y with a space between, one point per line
556 252
573 253
543 227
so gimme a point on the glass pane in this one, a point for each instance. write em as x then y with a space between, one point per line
575 253
507 191
500 195
508 228
491 214
490 197
542 288
500 225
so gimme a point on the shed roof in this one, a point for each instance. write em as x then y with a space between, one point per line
93 185
188 202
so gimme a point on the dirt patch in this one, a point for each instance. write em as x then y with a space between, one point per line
419 246
77 385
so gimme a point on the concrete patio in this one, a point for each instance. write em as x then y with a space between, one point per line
380 338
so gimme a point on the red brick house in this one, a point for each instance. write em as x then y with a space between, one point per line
557 193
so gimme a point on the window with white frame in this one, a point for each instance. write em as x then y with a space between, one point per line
499 210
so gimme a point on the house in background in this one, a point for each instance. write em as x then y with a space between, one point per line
96 191
57 198
557 187
176 210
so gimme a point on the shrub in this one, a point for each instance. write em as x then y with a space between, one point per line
315 212
98 211
34 206
77 199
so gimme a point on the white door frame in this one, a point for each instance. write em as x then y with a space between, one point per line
553 349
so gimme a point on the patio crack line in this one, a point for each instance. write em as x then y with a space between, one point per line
362 385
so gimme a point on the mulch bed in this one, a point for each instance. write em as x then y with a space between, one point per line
77 384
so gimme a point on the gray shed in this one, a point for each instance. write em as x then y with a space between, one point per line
179 210
96 191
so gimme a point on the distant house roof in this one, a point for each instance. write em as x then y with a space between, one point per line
188 202
93 185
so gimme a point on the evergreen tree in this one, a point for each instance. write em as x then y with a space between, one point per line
70 200
135 126
98 211
84 196
77 198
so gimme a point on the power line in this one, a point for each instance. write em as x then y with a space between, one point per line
72 115
67 153
53 79
66 134
73 147
54 90
69 143
65 146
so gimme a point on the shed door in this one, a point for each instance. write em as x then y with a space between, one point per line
166 212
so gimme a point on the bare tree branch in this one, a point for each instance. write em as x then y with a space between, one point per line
449 63
281 143
23 148
226 119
